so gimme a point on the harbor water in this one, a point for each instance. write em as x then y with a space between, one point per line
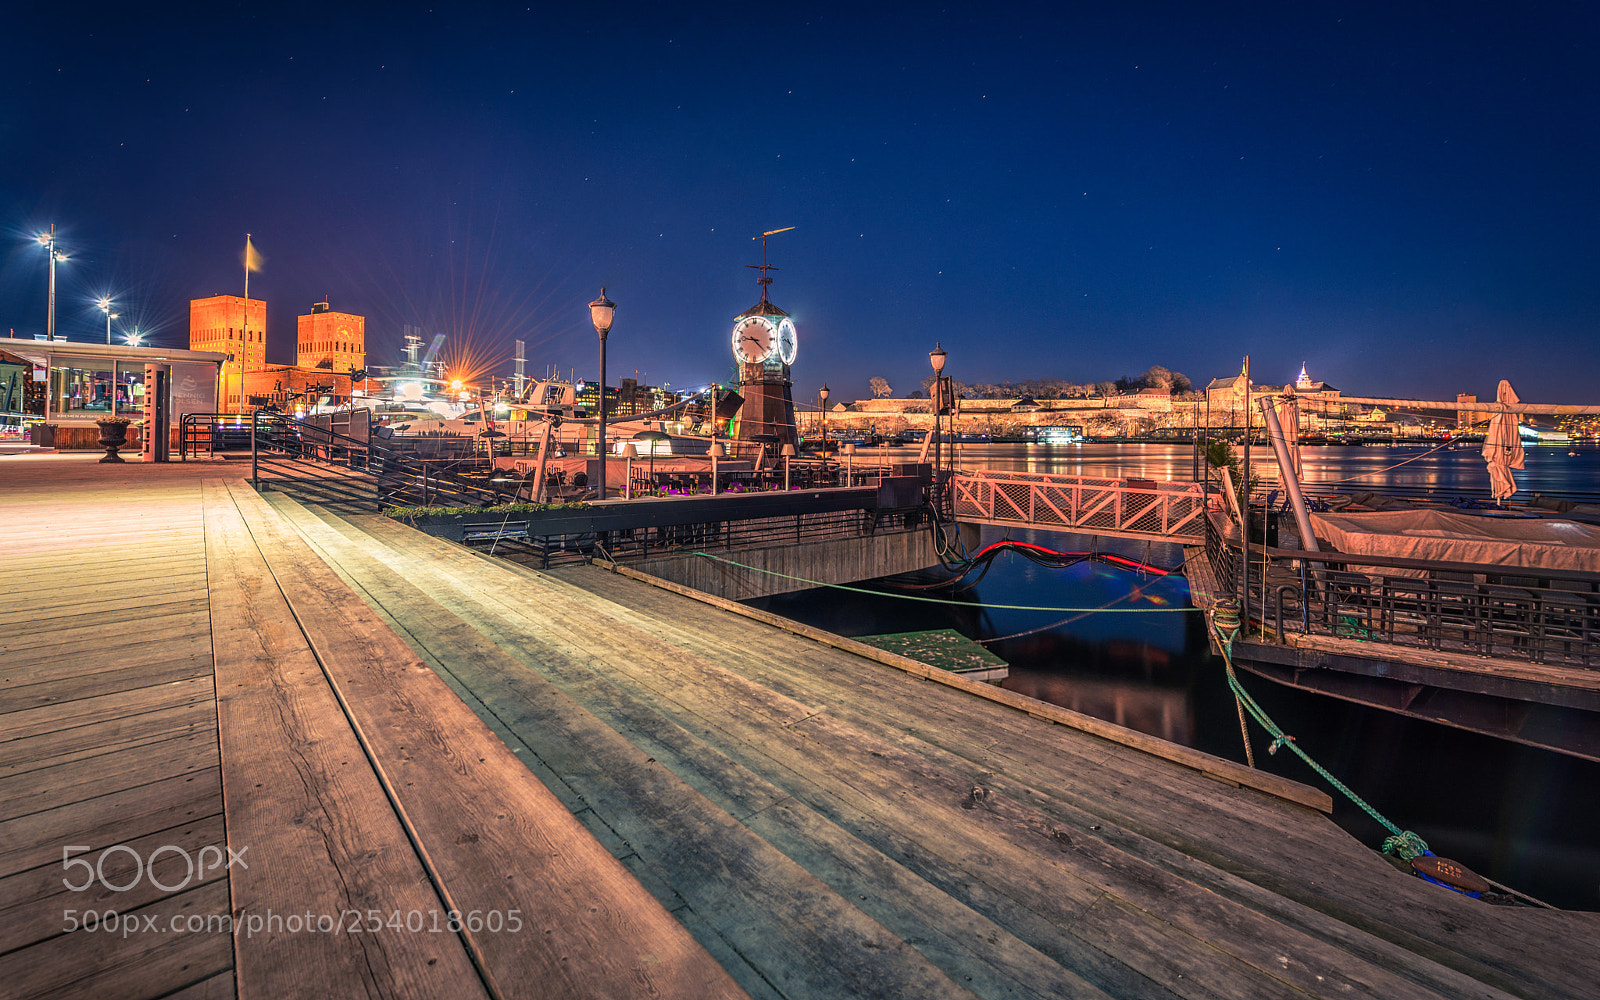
1525 817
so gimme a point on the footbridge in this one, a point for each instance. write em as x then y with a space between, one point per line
1128 508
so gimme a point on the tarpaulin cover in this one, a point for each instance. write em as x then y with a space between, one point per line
1446 536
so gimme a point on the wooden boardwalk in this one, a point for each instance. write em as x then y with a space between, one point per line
816 823
185 682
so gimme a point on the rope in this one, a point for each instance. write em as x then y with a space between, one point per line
1402 843
936 600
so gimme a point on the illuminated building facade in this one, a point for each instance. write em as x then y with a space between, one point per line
332 341
236 328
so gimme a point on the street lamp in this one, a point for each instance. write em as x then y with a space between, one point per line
133 339
822 394
936 357
602 311
48 241
104 302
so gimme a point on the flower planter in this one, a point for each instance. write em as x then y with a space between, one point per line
113 435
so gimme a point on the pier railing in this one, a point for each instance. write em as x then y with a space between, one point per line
322 465
1511 612
1144 507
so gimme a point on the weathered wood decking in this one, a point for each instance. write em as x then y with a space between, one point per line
822 824
181 673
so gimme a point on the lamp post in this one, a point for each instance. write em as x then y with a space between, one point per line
104 302
788 453
48 241
822 394
602 311
936 357
849 452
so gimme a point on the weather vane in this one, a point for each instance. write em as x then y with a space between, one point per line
764 267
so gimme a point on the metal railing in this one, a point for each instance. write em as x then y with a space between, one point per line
1512 612
322 465
1172 510
209 433
512 536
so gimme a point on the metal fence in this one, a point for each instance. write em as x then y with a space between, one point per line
322 465
1517 613
1173 510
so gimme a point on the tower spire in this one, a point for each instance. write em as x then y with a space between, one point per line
766 279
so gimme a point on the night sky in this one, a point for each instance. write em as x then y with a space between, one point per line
1404 198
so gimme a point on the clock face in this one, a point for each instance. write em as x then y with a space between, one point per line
754 339
788 341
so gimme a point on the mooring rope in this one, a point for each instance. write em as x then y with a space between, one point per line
1404 844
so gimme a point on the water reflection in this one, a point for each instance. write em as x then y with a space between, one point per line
1549 469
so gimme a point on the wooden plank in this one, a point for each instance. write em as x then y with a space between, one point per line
35 900
121 646
302 798
218 987
46 788
152 657
187 621
177 547
36 839
109 612
110 679
124 704
486 806
25 613
95 738
147 963
65 593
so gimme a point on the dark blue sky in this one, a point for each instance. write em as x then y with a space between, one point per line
1404 197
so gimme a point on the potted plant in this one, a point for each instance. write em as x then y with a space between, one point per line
113 435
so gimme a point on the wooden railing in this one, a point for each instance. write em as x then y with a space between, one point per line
1141 507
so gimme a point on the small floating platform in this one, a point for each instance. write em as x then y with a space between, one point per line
946 649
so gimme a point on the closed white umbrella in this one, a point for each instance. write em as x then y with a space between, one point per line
1502 446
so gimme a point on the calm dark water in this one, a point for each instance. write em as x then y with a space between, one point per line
1525 817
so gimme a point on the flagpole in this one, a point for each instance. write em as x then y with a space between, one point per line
244 328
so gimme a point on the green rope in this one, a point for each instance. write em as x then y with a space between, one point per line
939 600
1404 844
1351 628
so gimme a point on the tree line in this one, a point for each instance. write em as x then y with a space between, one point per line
1155 377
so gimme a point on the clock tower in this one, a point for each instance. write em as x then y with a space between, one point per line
764 345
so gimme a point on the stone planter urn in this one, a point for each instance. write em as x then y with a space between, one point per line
113 435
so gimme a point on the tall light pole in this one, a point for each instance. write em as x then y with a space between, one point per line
936 357
48 241
104 302
602 311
